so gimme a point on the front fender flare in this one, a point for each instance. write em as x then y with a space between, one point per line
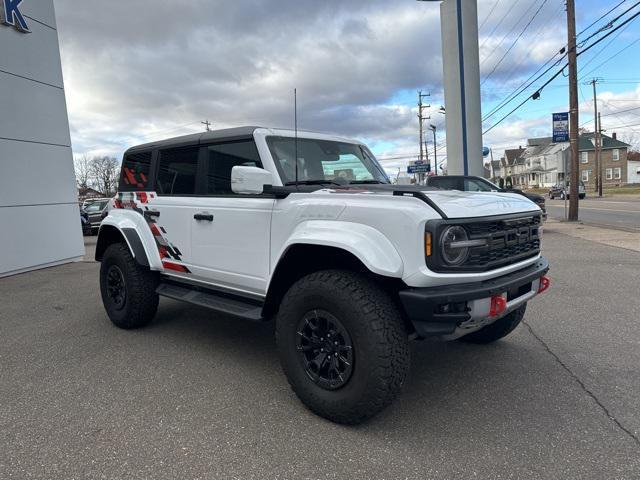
369 245
136 232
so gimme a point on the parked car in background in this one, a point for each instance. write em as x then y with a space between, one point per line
84 222
561 191
479 184
95 210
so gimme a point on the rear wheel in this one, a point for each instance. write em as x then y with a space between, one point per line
497 330
128 290
343 345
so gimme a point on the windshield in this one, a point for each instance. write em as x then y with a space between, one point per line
324 161
95 207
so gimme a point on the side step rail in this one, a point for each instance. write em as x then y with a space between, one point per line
213 300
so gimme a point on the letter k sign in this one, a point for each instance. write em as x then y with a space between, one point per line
10 15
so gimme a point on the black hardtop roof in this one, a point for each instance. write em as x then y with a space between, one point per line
198 138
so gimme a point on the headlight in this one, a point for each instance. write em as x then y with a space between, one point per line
454 245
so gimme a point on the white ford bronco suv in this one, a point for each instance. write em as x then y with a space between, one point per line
306 229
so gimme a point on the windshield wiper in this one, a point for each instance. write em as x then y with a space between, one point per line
313 182
366 182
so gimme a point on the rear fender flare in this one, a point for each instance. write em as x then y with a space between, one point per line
136 233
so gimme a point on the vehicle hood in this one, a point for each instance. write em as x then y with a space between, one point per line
457 204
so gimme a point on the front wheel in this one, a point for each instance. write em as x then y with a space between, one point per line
497 330
128 290
343 345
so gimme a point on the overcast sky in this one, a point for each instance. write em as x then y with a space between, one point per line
142 70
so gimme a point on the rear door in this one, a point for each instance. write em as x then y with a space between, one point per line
231 233
171 213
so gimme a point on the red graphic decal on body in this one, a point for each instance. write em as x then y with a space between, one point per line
135 201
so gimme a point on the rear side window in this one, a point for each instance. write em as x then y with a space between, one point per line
475 185
135 171
444 183
222 157
177 170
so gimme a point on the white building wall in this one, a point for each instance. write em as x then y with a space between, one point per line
39 214
633 171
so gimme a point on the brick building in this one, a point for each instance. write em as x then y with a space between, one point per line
613 156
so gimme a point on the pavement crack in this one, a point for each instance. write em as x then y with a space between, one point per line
583 386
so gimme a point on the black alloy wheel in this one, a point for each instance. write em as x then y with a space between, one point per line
326 349
116 287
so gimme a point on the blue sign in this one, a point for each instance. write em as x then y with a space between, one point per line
485 151
560 127
419 168
10 15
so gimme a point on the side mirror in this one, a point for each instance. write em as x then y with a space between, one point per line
250 180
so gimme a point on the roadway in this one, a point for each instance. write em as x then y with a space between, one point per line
198 395
618 212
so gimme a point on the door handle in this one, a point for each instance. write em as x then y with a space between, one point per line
151 213
207 217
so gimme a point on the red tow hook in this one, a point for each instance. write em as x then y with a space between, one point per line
498 305
545 283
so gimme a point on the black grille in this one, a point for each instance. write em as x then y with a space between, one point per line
508 240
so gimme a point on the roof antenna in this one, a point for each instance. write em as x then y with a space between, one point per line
295 123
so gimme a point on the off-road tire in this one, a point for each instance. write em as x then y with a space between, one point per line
500 329
141 300
380 344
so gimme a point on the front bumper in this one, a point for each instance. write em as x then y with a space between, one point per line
456 310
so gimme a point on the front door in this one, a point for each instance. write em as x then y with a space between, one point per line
230 234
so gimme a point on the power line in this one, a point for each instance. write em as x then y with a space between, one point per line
499 23
609 25
536 95
601 17
612 57
488 15
515 25
521 89
526 84
535 15
541 28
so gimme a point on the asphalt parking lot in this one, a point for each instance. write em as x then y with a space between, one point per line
200 396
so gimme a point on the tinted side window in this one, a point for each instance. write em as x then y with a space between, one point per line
135 171
444 183
474 185
177 169
222 157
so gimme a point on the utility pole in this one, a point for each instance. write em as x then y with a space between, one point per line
435 150
421 119
599 128
207 125
573 109
596 134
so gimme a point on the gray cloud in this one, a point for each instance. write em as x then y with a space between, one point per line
142 70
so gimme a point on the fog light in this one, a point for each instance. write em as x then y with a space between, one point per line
498 305
545 283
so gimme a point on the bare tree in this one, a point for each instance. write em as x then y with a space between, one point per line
104 172
632 138
83 171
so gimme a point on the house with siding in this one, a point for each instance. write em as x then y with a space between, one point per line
542 163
